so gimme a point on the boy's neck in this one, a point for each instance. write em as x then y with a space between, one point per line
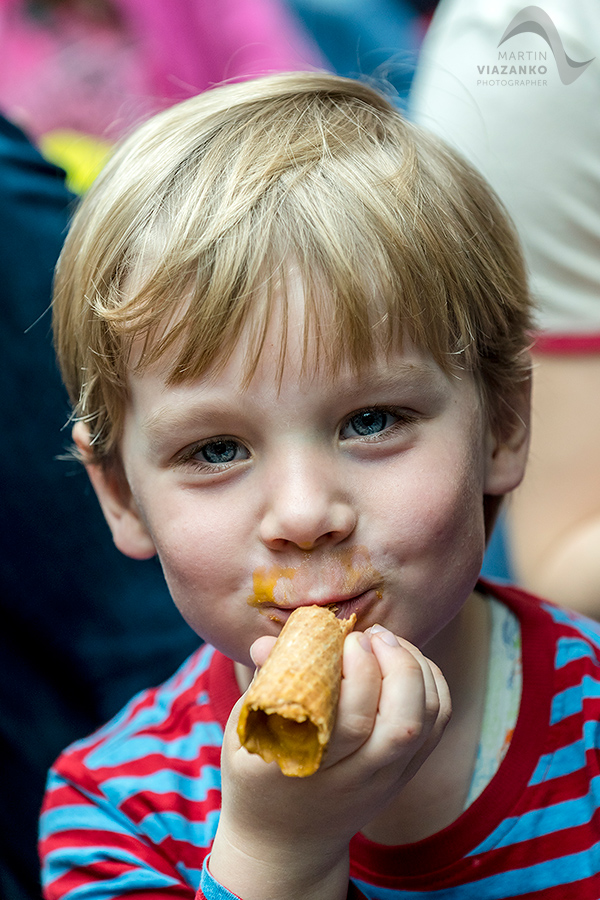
462 647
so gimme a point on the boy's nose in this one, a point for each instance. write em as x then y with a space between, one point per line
306 509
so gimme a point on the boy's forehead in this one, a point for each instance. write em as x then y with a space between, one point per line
291 335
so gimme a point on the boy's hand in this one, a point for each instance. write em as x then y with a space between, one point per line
288 837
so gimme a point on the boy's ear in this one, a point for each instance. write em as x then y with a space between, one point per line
129 531
507 455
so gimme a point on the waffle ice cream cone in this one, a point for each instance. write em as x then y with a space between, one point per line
290 707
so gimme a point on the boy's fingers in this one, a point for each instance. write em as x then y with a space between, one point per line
437 694
413 706
442 718
261 648
359 698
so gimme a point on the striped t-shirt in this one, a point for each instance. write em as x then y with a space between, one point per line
132 810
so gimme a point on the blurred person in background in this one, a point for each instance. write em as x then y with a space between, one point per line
376 39
77 75
517 90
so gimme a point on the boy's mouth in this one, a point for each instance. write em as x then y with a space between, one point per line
344 580
343 607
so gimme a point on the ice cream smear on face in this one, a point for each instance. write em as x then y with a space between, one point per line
334 580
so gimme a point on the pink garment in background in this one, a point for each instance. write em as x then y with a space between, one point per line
194 44
63 70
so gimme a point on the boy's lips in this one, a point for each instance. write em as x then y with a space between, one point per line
343 607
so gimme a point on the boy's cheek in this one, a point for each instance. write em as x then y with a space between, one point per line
207 583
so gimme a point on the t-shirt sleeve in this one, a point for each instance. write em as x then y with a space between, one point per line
85 843
210 889
132 810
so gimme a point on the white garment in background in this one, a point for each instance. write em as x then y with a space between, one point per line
535 138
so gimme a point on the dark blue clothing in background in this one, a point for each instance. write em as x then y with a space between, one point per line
373 39
82 628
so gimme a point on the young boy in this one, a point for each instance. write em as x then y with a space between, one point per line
294 331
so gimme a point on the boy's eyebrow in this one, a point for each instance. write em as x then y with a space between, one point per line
411 373
159 425
407 375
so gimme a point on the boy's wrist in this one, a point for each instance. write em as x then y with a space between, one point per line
252 871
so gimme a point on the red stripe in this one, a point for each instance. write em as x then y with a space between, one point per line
78 772
76 878
100 839
140 805
562 733
66 795
558 790
59 888
503 860
585 889
567 344
542 849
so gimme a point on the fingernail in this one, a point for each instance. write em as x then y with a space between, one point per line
386 636
364 642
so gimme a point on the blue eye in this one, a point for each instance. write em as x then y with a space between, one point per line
214 456
367 422
220 452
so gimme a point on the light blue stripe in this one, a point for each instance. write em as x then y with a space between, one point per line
516 883
569 701
55 780
565 704
165 781
108 889
160 825
61 861
562 762
547 820
129 748
566 617
190 876
572 648
568 759
79 817
211 889
119 727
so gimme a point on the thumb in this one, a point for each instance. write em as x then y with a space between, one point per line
261 648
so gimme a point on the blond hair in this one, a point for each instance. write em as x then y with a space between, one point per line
186 237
